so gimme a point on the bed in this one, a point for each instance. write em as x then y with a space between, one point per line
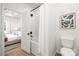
12 40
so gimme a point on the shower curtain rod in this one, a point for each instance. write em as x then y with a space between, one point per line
35 8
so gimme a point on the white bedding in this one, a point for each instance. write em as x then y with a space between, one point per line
12 37
14 40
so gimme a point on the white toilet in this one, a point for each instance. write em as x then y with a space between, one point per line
67 46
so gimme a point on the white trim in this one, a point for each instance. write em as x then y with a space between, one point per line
2 28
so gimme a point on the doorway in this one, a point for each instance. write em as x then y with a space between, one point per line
21 26
12 31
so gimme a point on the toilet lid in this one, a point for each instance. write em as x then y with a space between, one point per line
67 52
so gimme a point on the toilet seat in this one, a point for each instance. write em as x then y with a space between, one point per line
67 52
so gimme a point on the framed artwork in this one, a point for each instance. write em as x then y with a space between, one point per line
67 21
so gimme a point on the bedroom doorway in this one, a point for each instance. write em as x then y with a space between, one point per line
20 29
16 38
12 30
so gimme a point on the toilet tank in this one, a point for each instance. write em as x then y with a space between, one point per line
67 42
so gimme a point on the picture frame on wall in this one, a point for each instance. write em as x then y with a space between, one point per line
68 21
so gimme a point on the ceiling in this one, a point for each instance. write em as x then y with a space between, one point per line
21 7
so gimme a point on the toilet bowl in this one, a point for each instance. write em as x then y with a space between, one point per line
67 52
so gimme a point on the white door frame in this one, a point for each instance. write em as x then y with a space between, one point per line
2 30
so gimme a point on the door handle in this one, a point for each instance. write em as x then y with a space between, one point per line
30 32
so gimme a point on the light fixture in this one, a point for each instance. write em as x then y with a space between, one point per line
8 12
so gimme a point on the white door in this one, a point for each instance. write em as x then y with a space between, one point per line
35 31
25 42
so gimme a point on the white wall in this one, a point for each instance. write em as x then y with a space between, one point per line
54 11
